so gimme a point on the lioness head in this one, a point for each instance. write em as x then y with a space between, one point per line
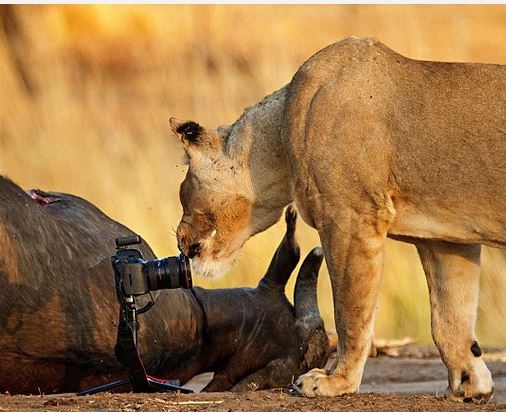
216 200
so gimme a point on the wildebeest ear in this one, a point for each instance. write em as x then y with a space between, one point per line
190 131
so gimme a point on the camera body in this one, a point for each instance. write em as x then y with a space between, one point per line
136 276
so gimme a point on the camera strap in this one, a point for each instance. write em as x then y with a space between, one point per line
126 353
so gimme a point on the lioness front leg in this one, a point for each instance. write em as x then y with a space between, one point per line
354 255
453 272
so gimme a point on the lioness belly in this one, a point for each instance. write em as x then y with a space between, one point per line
432 222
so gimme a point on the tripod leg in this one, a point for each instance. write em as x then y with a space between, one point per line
105 387
166 385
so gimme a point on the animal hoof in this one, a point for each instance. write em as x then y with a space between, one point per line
290 218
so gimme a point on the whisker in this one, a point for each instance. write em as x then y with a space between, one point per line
173 231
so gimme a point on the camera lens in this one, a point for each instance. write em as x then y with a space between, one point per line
169 273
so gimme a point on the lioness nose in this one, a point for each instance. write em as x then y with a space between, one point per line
193 250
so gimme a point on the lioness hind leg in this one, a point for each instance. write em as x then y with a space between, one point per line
453 272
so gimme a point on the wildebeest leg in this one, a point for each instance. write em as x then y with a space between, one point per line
453 274
354 254
275 375
286 257
230 377
223 380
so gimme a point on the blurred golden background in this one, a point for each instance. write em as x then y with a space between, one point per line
86 93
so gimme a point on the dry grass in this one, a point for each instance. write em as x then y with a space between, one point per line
86 92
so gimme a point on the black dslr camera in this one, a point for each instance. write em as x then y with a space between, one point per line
136 276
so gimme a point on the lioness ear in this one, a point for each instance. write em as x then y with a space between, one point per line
189 131
195 138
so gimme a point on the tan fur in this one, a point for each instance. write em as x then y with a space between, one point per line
371 144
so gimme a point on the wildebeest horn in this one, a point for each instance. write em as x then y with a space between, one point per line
287 255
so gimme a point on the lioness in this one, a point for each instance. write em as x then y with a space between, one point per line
368 144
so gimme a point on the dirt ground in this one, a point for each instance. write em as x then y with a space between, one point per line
415 382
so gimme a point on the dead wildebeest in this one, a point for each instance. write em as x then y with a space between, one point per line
58 308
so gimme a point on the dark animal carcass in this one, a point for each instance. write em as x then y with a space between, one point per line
58 308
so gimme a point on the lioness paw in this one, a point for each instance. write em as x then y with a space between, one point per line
317 382
305 384
467 397
475 386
